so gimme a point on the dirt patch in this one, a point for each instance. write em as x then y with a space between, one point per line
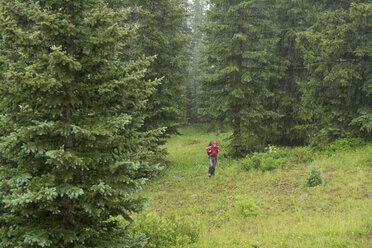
284 186
191 142
330 170
333 191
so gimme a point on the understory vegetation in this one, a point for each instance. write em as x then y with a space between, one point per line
268 204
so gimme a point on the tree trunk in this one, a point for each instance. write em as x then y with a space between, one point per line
67 205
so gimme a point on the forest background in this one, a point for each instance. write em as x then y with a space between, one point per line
91 91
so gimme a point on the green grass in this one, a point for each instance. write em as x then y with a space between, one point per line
335 214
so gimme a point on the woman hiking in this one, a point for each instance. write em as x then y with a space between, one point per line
212 151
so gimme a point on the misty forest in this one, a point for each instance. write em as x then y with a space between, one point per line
113 114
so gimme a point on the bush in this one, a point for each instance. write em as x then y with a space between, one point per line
246 207
368 161
269 160
275 157
314 176
166 232
341 145
300 155
258 161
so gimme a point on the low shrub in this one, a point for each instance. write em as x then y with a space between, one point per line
368 161
258 161
166 232
342 145
246 207
277 157
299 155
314 176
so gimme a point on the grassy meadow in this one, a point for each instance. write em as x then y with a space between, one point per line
186 209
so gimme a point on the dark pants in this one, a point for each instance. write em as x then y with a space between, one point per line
212 165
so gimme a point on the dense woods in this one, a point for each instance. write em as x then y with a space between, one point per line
90 89
160 32
288 72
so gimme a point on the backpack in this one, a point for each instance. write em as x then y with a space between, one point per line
210 144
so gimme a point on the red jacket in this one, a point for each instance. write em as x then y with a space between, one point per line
213 151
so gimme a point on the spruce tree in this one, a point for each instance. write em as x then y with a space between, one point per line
160 33
71 149
286 98
241 39
337 54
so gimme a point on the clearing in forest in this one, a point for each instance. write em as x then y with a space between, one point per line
240 208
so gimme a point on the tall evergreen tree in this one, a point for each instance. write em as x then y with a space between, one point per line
160 33
286 98
71 149
337 53
241 39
